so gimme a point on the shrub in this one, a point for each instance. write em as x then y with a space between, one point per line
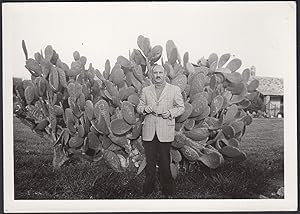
88 114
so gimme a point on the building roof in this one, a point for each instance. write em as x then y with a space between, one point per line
269 85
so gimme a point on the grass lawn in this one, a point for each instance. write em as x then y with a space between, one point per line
261 173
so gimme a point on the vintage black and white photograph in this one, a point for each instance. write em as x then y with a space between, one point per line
149 104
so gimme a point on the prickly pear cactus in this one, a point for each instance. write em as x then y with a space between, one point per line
92 115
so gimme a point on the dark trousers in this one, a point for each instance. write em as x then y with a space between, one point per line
158 153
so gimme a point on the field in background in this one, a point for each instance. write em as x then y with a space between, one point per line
262 173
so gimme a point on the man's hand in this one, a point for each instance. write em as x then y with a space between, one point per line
148 109
166 114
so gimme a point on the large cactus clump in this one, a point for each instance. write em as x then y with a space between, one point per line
92 115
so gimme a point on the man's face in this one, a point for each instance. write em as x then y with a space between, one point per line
159 74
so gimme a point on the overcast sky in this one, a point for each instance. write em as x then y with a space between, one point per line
260 34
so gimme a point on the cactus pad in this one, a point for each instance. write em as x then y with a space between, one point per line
119 126
199 105
197 134
180 81
75 142
29 94
189 153
112 160
234 65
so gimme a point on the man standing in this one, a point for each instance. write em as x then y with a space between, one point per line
161 103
